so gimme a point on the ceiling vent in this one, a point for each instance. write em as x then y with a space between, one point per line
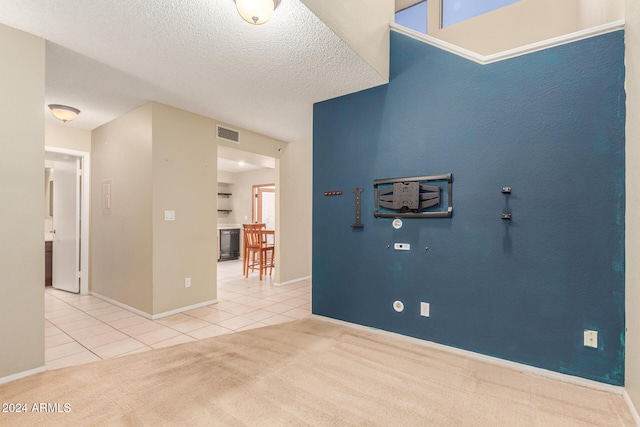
228 134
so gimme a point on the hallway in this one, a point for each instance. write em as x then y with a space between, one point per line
81 329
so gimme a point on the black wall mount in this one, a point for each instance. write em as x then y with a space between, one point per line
506 215
358 223
413 197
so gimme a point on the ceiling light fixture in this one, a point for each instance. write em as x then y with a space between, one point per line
256 11
64 112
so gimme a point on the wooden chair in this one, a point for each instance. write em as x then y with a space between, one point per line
255 243
250 245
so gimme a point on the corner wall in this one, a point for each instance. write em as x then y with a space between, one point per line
551 126
185 181
22 76
121 240
161 158
632 355
363 25
294 178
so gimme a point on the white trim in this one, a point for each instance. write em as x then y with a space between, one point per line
86 204
180 310
122 305
153 316
23 374
483 358
511 53
289 282
632 408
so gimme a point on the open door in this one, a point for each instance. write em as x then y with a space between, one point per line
264 207
66 225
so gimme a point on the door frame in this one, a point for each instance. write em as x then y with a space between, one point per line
256 208
85 202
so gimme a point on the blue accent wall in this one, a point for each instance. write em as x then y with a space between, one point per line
548 124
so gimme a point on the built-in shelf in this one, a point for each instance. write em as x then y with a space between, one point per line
226 196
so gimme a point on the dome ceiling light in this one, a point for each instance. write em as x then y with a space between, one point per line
256 11
64 112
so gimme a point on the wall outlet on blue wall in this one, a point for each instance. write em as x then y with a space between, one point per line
424 309
590 338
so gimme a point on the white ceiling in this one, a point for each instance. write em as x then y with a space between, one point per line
232 160
107 57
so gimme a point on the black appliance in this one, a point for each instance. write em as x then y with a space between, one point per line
229 244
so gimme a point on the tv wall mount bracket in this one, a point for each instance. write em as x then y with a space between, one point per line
413 197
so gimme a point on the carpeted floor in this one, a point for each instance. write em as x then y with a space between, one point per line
307 372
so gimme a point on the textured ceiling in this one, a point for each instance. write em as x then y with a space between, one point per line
107 57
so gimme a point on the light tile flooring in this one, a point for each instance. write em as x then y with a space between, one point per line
82 328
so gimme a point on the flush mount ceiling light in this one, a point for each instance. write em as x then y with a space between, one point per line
256 11
64 112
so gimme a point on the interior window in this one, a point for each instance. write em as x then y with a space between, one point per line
414 17
454 11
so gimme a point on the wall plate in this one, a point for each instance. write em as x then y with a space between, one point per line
398 306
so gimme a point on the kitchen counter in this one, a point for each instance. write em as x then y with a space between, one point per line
228 226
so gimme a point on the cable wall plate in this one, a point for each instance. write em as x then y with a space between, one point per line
428 196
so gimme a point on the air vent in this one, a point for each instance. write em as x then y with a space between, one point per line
228 134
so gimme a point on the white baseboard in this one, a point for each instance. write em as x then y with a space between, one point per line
153 316
632 408
289 282
23 374
488 359
122 305
181 309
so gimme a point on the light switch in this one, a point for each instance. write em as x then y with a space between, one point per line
169 215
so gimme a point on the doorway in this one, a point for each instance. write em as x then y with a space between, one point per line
66 222
239 174
264 205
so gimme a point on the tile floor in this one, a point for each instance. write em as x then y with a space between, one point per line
82 328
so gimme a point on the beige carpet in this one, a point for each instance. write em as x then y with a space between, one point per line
308 372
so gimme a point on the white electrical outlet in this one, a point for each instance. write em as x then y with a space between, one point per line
590 338
187 282
169 215
424 309
402 246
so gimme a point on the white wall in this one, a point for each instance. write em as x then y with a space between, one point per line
294 183
632 59
64 136
121 240
22 75
242 192
184 181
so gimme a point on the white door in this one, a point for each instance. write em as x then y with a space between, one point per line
265 207
268 203
66 225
